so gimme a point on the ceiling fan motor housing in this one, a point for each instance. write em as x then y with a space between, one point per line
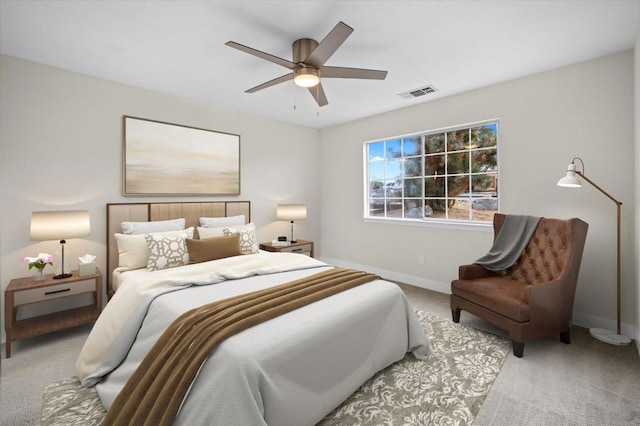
302 48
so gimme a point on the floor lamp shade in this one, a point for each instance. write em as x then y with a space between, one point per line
291 212
60 225
571 180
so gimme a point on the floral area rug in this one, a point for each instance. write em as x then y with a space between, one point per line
446 389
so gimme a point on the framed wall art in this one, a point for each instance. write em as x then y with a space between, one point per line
169 159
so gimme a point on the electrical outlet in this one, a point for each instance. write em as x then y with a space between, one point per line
420 259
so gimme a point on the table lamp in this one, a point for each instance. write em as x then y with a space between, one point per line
60 225
291 212
571 181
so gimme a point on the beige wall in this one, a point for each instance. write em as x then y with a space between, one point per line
583 110
61 146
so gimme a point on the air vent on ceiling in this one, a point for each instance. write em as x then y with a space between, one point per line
416 93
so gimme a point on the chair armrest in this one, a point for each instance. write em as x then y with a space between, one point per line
472 272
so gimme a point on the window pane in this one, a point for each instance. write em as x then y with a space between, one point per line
413 187
458 185
484 208
393 188
376 171
413 209
434 187
434 165
413 166
376 207
485 184
484 136
376 151
484 160
393 169
435 208
393 149
458 140
394 207
458 163
459 209
411 146
376 189
434 143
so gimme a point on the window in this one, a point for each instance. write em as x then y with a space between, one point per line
444 175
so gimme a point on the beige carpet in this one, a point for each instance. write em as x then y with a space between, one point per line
448 388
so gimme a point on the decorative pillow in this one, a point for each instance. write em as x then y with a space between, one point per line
210 232
215 222
132 249
167 252
131 228
248 241
213 248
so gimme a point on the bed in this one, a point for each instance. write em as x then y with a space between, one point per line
293 369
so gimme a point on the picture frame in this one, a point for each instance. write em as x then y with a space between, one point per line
162 158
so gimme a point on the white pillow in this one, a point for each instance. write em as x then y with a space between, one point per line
210 232
248 241
131 228
132 249
166 252
215 222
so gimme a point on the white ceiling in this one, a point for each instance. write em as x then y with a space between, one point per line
177 47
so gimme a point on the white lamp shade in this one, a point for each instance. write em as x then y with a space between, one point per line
570 180
291 212
59 225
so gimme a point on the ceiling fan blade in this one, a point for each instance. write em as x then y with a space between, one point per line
329 45
270 83
318 94
343 72
261 55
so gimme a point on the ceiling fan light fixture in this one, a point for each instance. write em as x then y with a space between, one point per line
306 77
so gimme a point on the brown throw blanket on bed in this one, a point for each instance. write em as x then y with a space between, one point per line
154 393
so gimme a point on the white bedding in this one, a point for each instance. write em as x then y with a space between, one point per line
291 370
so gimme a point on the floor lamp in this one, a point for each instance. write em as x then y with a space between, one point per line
59 225
571 181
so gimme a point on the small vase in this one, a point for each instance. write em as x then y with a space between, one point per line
38 274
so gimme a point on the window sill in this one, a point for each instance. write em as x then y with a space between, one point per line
457 225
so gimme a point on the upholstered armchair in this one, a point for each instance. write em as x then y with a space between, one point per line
534 297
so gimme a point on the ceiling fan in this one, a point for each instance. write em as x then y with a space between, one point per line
308 66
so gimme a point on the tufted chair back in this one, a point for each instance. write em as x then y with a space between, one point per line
545 256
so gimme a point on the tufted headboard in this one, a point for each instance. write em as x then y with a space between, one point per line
145 212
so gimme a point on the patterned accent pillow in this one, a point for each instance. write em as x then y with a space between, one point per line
248 240
167 252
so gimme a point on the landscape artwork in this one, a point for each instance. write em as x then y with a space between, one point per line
168 159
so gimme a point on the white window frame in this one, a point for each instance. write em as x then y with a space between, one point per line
445 222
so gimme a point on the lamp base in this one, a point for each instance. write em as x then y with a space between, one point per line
59 277
610 337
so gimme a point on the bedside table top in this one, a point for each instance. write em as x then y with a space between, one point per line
297 243
27 283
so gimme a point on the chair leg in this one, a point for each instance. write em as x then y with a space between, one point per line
565 337
518 348
455 313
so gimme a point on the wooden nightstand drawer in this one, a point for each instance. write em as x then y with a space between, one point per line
302 249
52 292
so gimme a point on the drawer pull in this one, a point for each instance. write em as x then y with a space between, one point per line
47 293
295 250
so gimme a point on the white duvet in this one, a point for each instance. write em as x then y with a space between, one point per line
291 370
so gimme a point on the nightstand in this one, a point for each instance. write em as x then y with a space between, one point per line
25 291
300 246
